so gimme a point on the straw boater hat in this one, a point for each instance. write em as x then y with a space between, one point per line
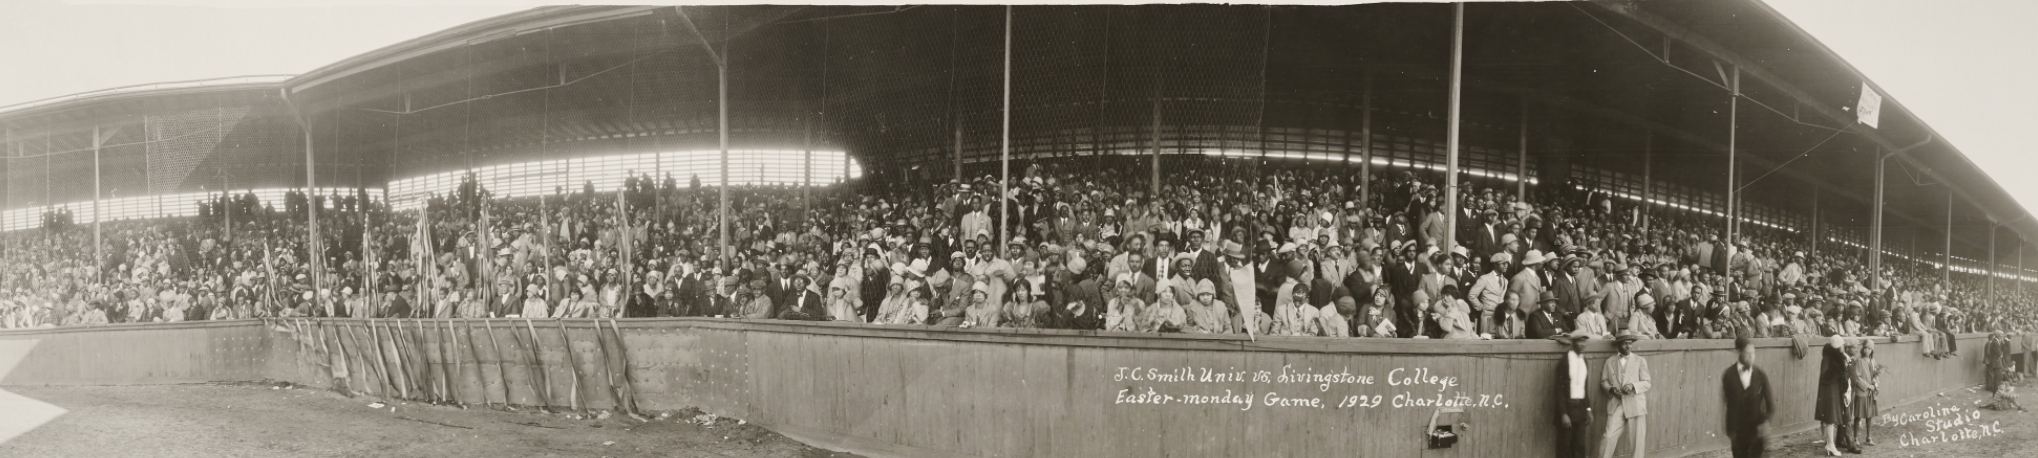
1627 336
1233 249
1533 257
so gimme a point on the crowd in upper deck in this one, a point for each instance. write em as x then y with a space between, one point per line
1277 251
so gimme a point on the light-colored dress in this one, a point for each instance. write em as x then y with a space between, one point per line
914 311
983 314
1165 316
1593 323
534 308
843 309
1331 323
1124 314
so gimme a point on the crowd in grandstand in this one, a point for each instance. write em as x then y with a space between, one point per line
1287 252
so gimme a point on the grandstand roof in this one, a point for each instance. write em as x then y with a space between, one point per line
1600 82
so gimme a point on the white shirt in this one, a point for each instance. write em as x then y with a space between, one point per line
1578 369
1747 375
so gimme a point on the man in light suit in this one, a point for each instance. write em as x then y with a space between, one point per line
1525 291
1626 381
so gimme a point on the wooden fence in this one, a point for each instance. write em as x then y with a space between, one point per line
922 391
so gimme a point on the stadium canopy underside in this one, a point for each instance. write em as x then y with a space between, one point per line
1601 94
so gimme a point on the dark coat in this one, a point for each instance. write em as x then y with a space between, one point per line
803 306
1569 300
1563 391
1831 406
1541 326
1748 407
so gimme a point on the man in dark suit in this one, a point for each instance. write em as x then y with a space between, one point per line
1268 274
1485 239
1207 266
1403 278
1574 399
805 304
780 287
1545 323
1746 392
1564 285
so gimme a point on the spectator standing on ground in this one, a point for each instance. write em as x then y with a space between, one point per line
1626 380
1574 400
1831 408
1745 390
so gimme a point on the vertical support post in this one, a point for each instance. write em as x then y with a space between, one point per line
1733 131
1521 159
97 259
1648 171
958 152
722 129
1875 225
1451 147
807 174
1005 141
1946 268
1815 218
1366 143
316 255
1156 146
1992 262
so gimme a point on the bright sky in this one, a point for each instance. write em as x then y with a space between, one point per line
51 49
1961 65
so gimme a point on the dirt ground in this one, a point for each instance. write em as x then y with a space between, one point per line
267 420
2018 436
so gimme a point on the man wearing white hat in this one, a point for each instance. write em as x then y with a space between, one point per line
1626 381
1793 273
1489 293
1525 292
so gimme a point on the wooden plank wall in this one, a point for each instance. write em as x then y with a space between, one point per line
919 391
127 354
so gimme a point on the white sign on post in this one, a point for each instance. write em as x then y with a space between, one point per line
1870 108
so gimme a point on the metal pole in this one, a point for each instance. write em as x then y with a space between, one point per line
1648 170
958 152
1366 144
96 204
1733 129
1875 225
1946 269
1521 161
722 78
1156 146
1815 218
1992 263
311 207
1005 144
1451 149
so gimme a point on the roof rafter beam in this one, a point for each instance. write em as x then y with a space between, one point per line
1679 134
1759 73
